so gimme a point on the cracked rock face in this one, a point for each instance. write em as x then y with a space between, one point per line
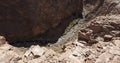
20 20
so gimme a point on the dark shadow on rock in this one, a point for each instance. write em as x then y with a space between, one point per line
51 36
33 42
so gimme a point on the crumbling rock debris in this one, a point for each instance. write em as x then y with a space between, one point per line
9 54
88 37
106 27
74 52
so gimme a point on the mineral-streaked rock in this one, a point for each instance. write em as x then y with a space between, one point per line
23 19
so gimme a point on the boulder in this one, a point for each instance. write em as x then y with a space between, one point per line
25 19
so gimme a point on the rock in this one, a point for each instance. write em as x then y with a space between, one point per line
104 58
9 54
116 38
35 61
34 52
86 36
83 36
115 33
108 37
2 40
89 60
91 6
100 39
115 51
75 52
116 59
102 28
22 20
116 42
105 24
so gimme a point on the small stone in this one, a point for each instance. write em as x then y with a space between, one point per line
83 36
99 39
34 52
108 37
